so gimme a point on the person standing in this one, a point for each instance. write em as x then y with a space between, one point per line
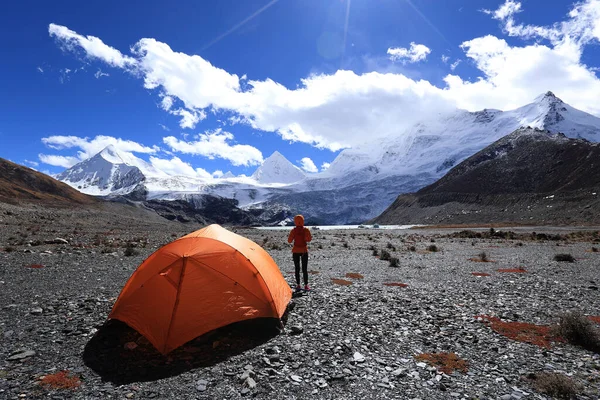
300 235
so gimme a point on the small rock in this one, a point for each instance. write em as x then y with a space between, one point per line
421 365
21 355
130 345
506 397
358 357
251 383
36 311
296 330
201 385
296 378
129 395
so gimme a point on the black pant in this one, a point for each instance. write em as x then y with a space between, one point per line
297 257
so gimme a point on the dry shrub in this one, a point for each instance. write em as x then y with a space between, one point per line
564 258
579 330
313 272
519 270
61 380
480 274
394 262
433 248
395 284
354 275
594 318
540 335
385 255
481 257
445 362
558 386
342 282
35 266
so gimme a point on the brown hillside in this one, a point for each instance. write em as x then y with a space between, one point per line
19 184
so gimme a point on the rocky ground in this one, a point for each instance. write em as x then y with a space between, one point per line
352 337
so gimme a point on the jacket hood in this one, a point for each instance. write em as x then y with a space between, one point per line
299 220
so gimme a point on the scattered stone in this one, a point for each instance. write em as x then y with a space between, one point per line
358 357
296 330
130 345
201 385
20 355
36 311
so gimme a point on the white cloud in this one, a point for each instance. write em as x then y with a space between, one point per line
217 174
176 167
88 148
513 73
32 163
58 161
416 53
166 103
40 69
325 166
506 10
454 65
216 145
99 74
189 119
308 165
93 47
445 59
343 109
165 128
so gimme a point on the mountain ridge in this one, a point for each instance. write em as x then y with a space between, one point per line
405 162
533 176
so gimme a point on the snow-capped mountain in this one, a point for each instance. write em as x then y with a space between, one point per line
277 169
360 183
108 172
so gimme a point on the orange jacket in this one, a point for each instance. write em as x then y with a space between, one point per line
300 235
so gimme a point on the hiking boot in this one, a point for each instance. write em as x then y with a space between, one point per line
298 288
306 287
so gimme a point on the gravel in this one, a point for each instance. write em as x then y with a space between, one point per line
353 342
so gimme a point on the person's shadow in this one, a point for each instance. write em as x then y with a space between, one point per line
121 355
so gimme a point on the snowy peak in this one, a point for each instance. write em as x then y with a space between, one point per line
551 113
111 154
103 174
277 169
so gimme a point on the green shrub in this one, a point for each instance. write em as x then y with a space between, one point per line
394 262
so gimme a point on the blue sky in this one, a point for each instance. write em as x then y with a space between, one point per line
304 77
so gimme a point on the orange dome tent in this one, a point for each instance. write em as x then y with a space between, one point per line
200 282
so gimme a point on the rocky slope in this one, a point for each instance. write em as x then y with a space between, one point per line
359 340
22 184
530 176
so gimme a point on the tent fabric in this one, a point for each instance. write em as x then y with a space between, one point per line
202 281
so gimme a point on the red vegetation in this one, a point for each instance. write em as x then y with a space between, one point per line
540 335
37 266
312 272
519 270
396 284
354 275
61 380
445 362
594 318
342 282
480 274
